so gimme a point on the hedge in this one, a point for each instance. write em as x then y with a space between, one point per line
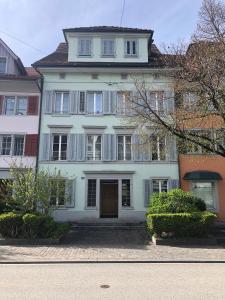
194 224
30 226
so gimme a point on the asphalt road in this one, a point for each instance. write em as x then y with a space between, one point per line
112 281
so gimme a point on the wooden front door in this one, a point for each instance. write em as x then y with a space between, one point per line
109 198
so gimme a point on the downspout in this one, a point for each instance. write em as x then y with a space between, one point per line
39 123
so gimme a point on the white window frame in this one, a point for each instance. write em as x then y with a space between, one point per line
96 193
57 205
93 147
6 64
124 147
160 184
62 101
108 40
12 145
158 96
79 46
158 149
60 146
95 101
131 47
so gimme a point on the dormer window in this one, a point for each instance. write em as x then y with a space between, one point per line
2 65
85 46
108 47
131 47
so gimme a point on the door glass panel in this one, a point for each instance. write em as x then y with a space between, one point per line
205 191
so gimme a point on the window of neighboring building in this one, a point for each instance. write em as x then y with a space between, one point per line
18 145
189 100
94 103
58 193
157 101
2 65
91 193
62 102
21 106
108 47
59 147
82 102
159 185
158 146
10 103
126 199
94 146
131 47
16 105
85 46
124 147
205 191
6 145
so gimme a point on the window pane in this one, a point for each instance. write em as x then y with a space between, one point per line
98 147
128 47
10 105
120 147
93 147
205 191
85 47
63 147
21 106
155 186
2 65
91 197
128 148
134 47
126 192
58 102
18 145
6 145
55 154
90 103
108 47
164 185
65 102
98 103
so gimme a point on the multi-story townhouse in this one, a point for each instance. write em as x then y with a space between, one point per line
85 133
19 112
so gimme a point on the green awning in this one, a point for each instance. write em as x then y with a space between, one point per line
202 175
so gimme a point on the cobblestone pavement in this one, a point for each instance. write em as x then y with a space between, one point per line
109 245
76 252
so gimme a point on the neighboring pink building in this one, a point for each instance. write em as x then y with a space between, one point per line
19 111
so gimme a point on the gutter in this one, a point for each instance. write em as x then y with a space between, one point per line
39 122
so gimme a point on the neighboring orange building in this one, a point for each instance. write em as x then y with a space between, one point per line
204 175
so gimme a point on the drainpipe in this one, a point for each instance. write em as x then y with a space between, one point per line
40 86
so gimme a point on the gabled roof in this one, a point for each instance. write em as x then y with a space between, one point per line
111 29
16 58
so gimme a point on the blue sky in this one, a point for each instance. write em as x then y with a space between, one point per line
39 23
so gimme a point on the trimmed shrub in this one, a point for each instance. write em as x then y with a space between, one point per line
31 225
175 201
11 224
181 224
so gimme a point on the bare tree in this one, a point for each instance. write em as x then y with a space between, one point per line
195 111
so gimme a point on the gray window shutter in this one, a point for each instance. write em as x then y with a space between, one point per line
147 191
48 102
106 102
70 193
169 101
72 150
113 95
107 147
113 147
0 143
45 148
173 184
73 102
80 147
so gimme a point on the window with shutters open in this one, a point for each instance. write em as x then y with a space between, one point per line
94 103
12 145
58 193
59 147
158 147
94 147
108 47
157 101
62 103
124 147
85 47
159 185
16 105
